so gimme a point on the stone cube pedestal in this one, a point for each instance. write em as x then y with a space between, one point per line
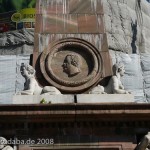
105 98
35 99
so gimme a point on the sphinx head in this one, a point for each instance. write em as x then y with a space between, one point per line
118 68
27 71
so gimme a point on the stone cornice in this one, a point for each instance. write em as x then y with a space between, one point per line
23 119
84 112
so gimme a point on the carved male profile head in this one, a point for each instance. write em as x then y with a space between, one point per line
71 64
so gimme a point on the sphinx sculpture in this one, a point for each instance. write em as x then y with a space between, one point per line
145 143
31 86
114 85
3 144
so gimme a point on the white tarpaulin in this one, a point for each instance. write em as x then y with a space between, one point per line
17 42
145 63
11 80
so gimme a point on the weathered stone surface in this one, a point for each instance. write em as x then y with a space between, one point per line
35 99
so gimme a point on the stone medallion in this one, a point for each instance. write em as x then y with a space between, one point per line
71 65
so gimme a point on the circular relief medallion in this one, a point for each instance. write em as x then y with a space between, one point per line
71 65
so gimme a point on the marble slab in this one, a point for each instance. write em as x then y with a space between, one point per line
105 98
35 99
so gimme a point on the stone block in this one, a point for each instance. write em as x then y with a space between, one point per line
35 99
71 24
87 23
80 6
39 26
100 21
105 98
53 23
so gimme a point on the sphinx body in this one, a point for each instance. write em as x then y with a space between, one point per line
115 85
31 86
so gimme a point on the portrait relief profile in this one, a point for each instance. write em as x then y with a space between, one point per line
72 64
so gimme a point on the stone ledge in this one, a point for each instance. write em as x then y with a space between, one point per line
80 98
35 99
105 98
